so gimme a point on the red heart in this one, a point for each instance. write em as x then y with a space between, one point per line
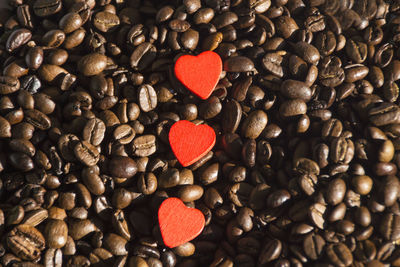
200 74
178 223
190 142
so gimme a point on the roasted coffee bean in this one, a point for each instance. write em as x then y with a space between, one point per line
8 85
356 51
307 52
93 181
144 145
384 114
147 98
232 114
57 57
313 246
93 131
270 251
44 8
26 242
92 64
86 153
272 62
106 21
316 214
254 124
296 90
286 26
124 134
339 254
238 64
142 56
389 190
53 38
70 22
292 108
389 226
56 232
123 167
34 57
179 25
17 39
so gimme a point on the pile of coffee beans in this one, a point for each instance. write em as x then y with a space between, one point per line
306 112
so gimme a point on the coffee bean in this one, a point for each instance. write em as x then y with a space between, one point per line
355 72
270 251
179 25
147 183
91 178
57 57
124 134
285 26
55 233
24 16
142 56
70 22
356 51
147 98
34 57
8 85
203 15
169 178
316 213
17 39
190 39
224 19
35 217
307 52
86 153
389 190
144 145
44 8
93 131
272 62
238 64
53 38
389 227
254 124
26 242
384 114
106 21
313 245
92 64
296 90
123 167
232 114
362 184
292 108
188 193
339 254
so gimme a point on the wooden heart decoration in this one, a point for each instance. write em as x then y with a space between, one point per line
178 223
190 142
200 74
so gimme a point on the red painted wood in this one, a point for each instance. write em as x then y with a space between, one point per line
178 223
200 74
190 142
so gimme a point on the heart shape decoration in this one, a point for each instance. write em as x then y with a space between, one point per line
178 223
200 74
190 142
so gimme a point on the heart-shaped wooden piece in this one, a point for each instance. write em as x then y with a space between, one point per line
190 142
200 74
178 223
